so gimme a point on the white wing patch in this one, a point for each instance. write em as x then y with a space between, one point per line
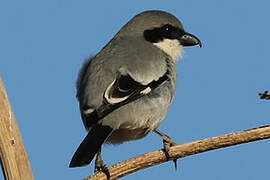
110 99
88 111
146 91
108 95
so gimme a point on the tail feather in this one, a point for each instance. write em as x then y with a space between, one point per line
90 145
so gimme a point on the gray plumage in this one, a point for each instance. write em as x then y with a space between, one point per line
130 57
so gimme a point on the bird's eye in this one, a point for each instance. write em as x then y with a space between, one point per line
167 27
159 33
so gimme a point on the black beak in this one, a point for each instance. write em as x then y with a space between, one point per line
188 39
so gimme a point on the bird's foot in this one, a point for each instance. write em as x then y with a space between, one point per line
167 144
100 166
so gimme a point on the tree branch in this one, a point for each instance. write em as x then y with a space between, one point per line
179 151
15 163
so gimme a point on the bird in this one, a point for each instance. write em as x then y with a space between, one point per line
126 89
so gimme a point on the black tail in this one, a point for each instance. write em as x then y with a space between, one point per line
90 145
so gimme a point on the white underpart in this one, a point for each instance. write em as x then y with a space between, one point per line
172 47
112 100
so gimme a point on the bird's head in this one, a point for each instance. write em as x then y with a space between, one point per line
162 30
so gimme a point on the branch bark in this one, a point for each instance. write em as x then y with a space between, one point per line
179 151
15 163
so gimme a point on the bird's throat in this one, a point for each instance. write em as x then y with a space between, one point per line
171 47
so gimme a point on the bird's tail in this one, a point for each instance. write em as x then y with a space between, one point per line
90 145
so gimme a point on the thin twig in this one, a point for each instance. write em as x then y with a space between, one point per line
265 95
179 151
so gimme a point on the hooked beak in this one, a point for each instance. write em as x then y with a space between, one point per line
188 39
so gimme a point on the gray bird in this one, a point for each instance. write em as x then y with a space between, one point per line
125 90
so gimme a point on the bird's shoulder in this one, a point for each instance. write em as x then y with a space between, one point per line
143 61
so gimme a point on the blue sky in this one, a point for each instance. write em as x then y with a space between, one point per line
44 43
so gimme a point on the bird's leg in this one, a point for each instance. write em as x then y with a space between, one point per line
100 165
167 143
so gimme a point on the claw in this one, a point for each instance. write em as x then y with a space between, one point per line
175 164
167 144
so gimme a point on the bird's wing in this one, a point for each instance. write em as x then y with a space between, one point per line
123 90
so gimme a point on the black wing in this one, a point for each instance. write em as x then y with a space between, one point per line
121 91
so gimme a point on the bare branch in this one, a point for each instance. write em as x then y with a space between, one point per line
265 95
179 151
14 159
